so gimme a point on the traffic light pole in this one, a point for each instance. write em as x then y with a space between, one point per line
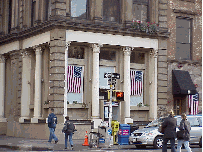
110 103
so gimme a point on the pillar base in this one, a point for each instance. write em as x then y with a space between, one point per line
2 119
24 119
36 120
128 121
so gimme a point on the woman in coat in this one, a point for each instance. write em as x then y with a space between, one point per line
169 126
184 126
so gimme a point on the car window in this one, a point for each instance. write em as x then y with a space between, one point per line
178 121
193 121
200 120
155 123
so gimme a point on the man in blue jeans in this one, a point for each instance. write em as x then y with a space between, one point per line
68 132
52 121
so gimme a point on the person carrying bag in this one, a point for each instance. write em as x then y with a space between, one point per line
68 129
183 135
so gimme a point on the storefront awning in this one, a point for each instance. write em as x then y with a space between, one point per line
182 82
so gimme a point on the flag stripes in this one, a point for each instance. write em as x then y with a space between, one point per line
74 79
136 78
193 103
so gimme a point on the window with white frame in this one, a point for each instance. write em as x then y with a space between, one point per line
137 85
75 84
103 82
183 39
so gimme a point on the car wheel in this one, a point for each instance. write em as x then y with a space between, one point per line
140 146
158 142
200 142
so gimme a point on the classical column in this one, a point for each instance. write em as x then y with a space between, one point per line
66 84
2 87
127 89
38 86
153 86
95 84
25 93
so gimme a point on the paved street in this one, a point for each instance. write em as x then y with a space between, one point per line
22 144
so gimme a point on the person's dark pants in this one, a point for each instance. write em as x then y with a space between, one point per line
172 141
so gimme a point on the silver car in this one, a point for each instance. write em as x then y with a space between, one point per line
150 136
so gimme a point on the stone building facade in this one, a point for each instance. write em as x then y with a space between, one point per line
184 50
42 39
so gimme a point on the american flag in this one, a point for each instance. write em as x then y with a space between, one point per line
136 78
193 103
74 79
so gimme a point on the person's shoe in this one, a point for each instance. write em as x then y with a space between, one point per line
65 148
56 141
71 147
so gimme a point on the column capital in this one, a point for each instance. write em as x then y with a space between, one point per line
127 50
14 55
38 50
26 54
154 53
96 47
2 58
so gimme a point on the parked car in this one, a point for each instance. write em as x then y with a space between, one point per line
150 136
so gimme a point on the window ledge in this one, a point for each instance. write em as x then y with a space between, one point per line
144 108
80 106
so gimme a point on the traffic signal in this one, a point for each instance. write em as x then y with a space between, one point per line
120 96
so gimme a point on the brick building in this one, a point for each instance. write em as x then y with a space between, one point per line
184 56
42 40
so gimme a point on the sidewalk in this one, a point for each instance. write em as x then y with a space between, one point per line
26 144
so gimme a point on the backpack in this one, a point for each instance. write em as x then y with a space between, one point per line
68 128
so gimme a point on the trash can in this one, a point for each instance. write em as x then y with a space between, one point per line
123 135
115 129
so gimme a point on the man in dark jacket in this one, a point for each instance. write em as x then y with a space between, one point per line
68 130
185 127
52 121
169 126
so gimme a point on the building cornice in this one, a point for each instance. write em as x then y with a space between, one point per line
80 25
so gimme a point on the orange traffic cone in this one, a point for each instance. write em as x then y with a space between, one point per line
86 140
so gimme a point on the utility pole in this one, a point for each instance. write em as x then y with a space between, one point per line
110 103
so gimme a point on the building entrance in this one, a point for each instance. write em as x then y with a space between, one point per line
179 105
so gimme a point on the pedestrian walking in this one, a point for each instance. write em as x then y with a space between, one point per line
169 126
68 129
52 121
185 134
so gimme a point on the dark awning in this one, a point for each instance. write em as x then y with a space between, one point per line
182 82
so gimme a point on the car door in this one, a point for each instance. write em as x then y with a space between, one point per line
195 133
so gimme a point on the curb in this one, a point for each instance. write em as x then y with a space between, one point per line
26 148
